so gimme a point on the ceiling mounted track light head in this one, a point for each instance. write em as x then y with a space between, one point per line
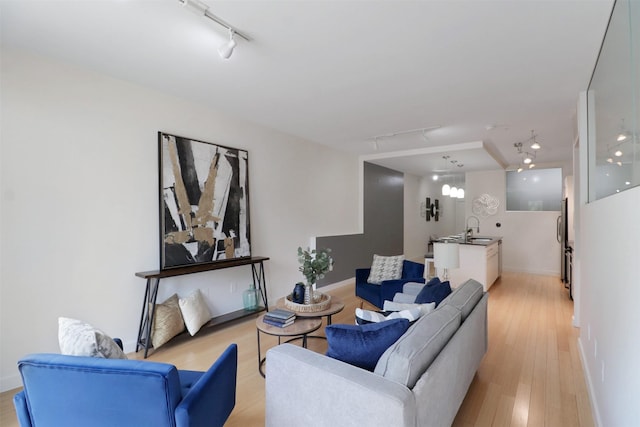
534 144
623 133
226 50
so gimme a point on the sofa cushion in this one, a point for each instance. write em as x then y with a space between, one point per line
385 268
403 298
406 360
362 345
77 338
412 288
465 297
434 293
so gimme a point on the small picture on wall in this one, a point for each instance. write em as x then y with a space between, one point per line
204 202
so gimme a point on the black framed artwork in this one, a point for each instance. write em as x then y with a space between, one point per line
204 202
432 209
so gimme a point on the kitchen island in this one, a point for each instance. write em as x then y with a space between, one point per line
480 259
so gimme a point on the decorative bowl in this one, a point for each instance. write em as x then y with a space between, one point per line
321 302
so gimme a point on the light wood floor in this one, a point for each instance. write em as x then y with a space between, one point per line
531 375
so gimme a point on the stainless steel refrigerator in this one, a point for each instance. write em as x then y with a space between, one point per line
566 250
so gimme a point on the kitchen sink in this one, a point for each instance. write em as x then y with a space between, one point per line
480 239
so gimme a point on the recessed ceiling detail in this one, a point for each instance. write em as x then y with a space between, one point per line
474 156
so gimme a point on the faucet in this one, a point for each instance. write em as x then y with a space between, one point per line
468 231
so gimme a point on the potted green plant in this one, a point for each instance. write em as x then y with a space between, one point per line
314 264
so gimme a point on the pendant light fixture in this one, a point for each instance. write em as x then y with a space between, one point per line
446 189
453 190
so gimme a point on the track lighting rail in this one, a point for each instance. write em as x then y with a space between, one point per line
202 8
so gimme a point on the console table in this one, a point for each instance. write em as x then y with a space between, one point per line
153 283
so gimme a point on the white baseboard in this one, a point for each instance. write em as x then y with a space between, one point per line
532 271
337 285
594 405
10 382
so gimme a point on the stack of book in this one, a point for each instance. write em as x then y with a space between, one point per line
279 317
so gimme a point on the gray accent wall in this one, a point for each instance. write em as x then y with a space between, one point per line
383 226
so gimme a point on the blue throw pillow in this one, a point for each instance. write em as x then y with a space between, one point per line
433 281
362 345
434 293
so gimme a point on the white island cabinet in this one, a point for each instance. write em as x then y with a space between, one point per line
478 262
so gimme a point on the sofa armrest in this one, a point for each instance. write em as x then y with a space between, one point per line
22 412
212 398
303 386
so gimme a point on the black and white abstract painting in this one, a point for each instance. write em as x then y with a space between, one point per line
204 202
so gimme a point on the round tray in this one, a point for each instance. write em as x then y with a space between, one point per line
322 302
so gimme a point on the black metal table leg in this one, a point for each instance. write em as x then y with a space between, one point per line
143 319
146 318
260 282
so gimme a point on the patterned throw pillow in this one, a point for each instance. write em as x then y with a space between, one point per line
398 306
167 321
77 338
368 316
385 268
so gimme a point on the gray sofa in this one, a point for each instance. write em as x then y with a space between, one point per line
421 380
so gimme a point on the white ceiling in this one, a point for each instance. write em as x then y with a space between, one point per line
343 72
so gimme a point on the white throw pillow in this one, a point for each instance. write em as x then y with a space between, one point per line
385 268
77 338
195 311
399 306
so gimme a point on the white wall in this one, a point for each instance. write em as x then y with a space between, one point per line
528 238
610 291
80 202
416 228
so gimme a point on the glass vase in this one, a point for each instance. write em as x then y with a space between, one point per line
250 298
308 294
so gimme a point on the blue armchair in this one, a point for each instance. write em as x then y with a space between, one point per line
377 294
87 391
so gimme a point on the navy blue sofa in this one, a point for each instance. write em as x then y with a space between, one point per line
377 294
79 391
